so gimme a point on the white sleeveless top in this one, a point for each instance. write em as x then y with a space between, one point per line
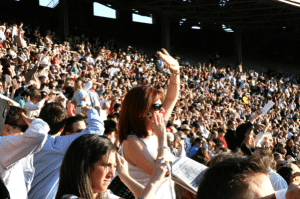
164 191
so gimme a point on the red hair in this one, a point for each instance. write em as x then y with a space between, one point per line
135 108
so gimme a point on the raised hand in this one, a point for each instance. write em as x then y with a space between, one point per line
160 170
27 119
172 63
122 165
157 123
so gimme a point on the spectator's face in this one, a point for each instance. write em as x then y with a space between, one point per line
214 135
249 138
102 172
78 126
221 134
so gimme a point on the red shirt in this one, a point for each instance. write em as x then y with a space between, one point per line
56 60
224 142
111 110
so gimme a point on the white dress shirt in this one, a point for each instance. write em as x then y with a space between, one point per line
32 109
15 148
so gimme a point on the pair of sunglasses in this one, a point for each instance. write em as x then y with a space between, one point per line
22 127
157 107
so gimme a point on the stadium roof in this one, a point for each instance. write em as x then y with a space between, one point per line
251 15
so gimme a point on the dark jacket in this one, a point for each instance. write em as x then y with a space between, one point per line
235 139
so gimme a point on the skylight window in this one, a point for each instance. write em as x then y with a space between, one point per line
196 27
104 11
226 29
48 3
142 19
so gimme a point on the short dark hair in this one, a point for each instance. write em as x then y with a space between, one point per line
70 121
117 105
55 115
14 115
229 177
197 140
286 173
109 126
229 122
111 116
25 93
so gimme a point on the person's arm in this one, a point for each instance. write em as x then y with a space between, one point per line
260 136
88 85
9 99
135 151
95 126
29 74
147 192
32 107
174 85
244 129
15 147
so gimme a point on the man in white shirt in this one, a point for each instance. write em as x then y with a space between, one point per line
35 104
16 144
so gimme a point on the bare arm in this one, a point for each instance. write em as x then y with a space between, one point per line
136 153
136 188
174 84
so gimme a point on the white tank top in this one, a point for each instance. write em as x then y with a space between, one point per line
164 192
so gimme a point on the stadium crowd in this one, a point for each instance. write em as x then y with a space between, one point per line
63 93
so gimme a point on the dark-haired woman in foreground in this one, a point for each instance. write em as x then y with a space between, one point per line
89 165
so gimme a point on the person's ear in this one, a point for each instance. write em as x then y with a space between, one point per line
6 130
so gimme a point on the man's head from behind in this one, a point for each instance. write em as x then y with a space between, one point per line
235 178
74 125
35 96
14 123
55 115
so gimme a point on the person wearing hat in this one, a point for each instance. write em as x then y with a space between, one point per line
187 144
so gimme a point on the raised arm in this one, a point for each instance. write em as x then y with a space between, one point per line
33 107
95 126
174 84
15 147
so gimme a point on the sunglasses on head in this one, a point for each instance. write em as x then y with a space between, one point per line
22 127
157 107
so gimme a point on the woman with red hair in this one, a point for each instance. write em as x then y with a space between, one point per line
141 130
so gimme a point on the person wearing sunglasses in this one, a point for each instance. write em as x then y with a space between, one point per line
142 130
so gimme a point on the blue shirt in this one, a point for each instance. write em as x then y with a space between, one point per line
47 162
193 150
160 64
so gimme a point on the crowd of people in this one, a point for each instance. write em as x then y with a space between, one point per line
82 110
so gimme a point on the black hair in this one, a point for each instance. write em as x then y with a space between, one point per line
70 121
286 173
109 126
